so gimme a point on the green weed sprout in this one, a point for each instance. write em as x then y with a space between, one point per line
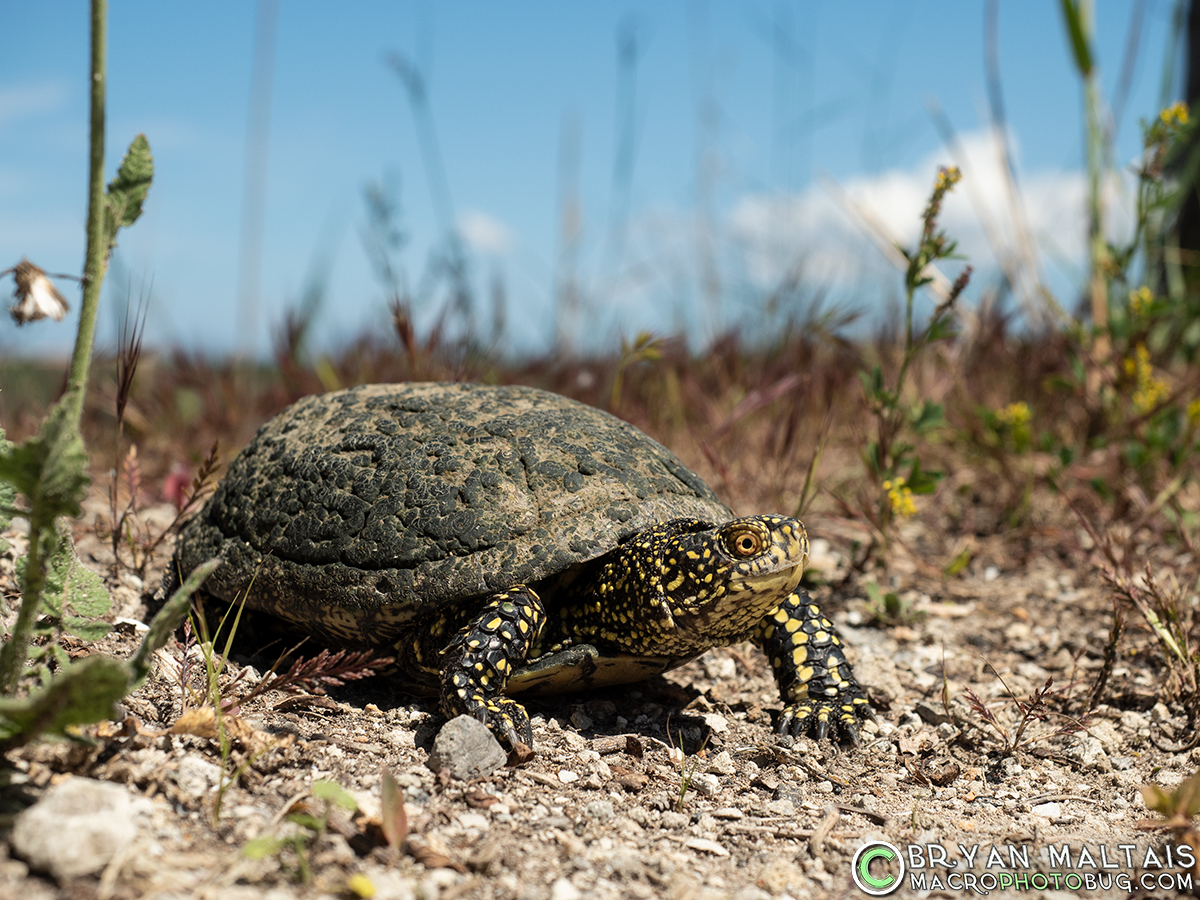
310 827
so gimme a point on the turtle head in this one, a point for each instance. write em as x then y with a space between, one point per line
706 585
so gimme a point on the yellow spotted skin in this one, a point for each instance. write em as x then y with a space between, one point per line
669 592
480 659
819 690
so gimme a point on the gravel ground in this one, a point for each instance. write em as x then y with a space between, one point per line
672 788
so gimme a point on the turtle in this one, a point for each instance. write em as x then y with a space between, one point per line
504 540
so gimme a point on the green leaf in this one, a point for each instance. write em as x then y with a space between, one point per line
873 456
959 563
167 620
334 793
872 383
83 693
50 468
307 820
70 585
262 847
931 415
1073 14
940 328
921 481
127 192
85 629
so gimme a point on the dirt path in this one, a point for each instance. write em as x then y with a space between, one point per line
602 812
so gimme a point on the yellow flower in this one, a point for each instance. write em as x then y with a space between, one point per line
900 496
1175 114
1193 411
1150 390
948 176
1140 300
360 886
1014 414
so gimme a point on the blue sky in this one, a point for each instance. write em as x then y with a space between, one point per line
793 92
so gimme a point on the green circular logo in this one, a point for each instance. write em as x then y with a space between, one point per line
887 873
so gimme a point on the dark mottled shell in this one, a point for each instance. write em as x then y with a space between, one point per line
356 511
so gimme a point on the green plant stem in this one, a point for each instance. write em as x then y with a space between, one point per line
12 654
1097 160
97 239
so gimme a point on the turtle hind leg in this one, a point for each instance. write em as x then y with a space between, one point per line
477 663
820 692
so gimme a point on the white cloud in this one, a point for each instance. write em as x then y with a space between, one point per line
815 229
17 103
485 233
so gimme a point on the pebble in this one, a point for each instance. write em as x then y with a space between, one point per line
722 764
625 864
705 845
1133 721
705 785
473 820
77 827
581 720
1049 810
196 778
566 776
562 889
1089 751
467 749
599 810
672 821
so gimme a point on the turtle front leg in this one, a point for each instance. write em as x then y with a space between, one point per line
814 678
477 663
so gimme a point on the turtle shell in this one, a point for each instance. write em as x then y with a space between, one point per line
355 512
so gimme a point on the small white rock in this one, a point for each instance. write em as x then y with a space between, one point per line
705 845
566 776
722 764
473 820
77 827
1048 810
562 889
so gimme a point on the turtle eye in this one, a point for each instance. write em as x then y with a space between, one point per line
745 543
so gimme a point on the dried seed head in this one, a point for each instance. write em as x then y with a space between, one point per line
36 295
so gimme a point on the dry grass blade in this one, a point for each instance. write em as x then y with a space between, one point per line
394 818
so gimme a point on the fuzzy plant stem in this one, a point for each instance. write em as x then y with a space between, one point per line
97 239
12 654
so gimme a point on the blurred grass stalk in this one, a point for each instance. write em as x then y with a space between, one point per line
1080 24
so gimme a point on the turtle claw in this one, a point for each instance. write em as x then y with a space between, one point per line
826 719
509 722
